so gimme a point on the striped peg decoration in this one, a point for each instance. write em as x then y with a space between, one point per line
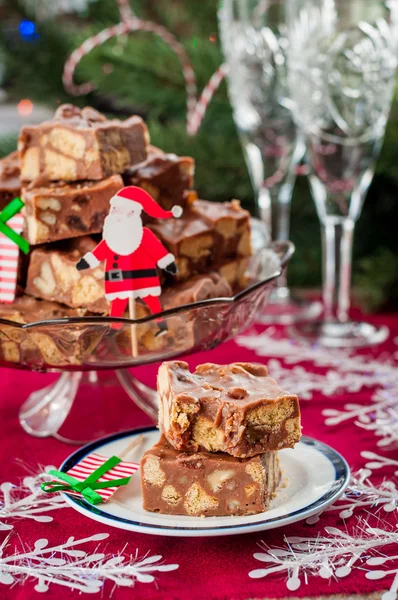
9 259
91 462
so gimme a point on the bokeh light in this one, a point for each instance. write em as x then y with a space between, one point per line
27 30
25 107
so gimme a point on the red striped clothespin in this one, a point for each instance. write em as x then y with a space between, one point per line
96 477
92 462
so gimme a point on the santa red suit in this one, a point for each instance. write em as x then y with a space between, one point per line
132 252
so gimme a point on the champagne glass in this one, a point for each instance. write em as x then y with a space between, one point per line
341 71
254 41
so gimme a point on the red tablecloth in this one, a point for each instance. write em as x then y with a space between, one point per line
208 568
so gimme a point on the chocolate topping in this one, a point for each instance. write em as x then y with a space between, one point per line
85 117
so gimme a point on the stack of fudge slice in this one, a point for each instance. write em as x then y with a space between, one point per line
221 429
67 170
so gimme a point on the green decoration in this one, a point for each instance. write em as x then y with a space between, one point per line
6 214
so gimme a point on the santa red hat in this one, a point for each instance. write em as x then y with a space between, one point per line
125 198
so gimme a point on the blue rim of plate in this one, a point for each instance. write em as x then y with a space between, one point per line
341 471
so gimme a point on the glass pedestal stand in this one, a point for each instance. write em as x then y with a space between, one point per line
77 408
96 393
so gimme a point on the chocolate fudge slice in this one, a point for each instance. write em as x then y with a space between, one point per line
191 240
35 345
207 484
61 211
10 183
235 272
165 176
81 144
52 275
199 287
232 408
26 309
186 329
208 235
231 224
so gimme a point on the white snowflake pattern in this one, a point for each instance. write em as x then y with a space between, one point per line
362 494
379 462
377 574
380 417
270 343
351 372
305 383
344 371
331 556
69 566
27 500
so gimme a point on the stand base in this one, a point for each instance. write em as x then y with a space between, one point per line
282 309
81 407
340 335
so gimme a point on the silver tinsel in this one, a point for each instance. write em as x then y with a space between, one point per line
68 565
27 500
332 554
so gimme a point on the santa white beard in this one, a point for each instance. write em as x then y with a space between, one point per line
123 233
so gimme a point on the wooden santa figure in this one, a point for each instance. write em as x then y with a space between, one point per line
132 252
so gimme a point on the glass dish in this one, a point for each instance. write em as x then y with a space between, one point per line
81 347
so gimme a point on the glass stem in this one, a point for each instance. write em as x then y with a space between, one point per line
337 240
274 210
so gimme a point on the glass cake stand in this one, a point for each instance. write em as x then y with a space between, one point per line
76 408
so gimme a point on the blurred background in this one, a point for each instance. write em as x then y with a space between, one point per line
139 74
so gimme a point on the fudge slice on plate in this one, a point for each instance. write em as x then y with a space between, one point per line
205 483
232 408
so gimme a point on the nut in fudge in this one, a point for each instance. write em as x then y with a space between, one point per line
233 408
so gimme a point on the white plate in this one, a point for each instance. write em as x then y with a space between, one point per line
314 476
